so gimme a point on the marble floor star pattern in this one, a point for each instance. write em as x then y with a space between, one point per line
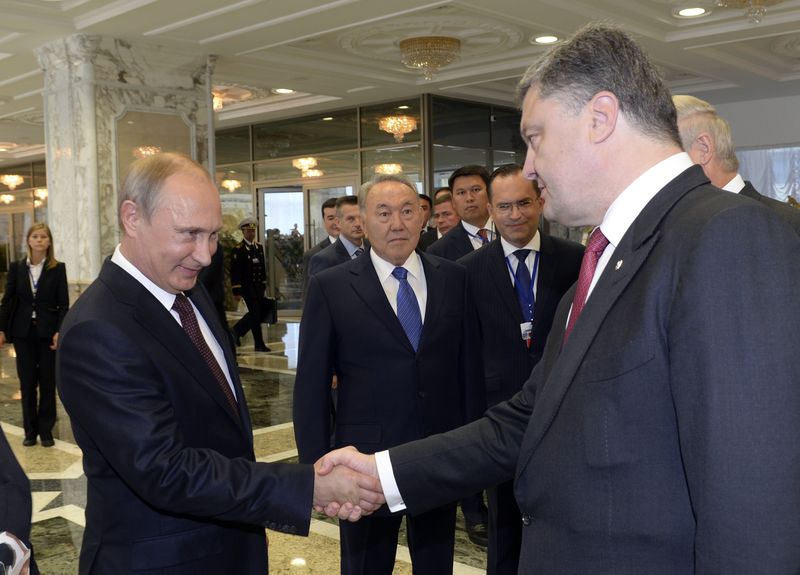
59 486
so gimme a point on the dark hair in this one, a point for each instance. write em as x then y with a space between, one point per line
329 203
508 170
345 201
600 57
471 170
427 198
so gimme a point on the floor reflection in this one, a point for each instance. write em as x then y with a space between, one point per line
59 486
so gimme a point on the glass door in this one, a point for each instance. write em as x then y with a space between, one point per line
292 222
13 225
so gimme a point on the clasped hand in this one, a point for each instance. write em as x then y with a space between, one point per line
346 484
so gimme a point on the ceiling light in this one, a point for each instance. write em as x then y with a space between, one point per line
6 198
545 39
304 164
429 53
283 91
145 151
327 118
691 12
389 169
755 10
40 193
231 184
404 107
398 126
313 173
217 103
7 146
11 181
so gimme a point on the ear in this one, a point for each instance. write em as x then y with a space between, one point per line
131 217
604 110
703 147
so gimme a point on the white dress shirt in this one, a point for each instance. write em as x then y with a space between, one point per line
391 285
736 185
474 238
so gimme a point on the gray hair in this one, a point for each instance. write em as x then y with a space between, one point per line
379 179
699 116
146 177
600 57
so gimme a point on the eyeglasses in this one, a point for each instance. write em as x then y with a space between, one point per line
506 208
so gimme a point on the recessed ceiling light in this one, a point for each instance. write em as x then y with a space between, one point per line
545 39
283 91
403 107
692 12
327 118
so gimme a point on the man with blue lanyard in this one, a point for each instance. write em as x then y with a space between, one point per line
517 282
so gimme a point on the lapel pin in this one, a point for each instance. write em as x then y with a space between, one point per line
619 264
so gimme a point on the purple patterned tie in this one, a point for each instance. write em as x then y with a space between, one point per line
594 249
189 322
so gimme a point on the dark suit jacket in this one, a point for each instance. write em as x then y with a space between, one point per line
453 245
310 253
427 238
662 438
387 393
329 257
507 360
784 210
172 482
51 303
15 497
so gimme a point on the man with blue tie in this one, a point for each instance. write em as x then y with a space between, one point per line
398 329
517 282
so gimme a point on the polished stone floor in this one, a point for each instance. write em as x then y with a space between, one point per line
59 486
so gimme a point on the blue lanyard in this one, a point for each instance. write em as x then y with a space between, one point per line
528 298
34 284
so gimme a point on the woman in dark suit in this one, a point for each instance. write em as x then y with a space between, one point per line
33 306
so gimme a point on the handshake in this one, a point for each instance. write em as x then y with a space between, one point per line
346 484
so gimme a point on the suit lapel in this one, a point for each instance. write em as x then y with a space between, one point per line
547 274
498 271
436 282
365 283
628 257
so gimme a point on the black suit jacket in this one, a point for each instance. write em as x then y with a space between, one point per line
15 497
453 245
784 210
51 302
329 257
387 393
427 238
652 442
172 479
507 360
310 253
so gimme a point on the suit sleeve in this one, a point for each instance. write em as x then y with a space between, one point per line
472 373
734 374
62 293
118 400
8 298
315 369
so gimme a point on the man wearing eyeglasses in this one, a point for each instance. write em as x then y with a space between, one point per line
517 282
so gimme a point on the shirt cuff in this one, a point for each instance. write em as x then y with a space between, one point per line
390 490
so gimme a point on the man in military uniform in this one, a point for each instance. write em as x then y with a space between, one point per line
249 281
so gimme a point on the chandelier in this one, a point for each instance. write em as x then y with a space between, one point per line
231 184
11 180
313 173
429 53
304 164
6 198
755 10
145 151
398 126
40 193
389 169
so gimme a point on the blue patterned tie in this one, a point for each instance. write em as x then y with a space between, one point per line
523 278
408 308
357 253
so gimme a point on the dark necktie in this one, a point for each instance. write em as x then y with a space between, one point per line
483 234
357 253
522 277
189 322
408 308
594 249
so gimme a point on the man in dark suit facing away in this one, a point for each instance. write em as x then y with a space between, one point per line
398 329
707 138
331 229
150 382
350 243
470 199
515 308
658 433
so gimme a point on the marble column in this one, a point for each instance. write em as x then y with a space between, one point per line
94 87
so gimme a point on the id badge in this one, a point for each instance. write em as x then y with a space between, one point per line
526 329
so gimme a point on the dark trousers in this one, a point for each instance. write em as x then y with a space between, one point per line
36 369
505 530
474 509
369 546
252 319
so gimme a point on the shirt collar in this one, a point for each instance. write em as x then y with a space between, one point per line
533 245
166 298
630 203
349 246
473 230
384 269
38 266
736 185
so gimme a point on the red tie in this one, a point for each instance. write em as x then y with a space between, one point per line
189 322
483 233
594 249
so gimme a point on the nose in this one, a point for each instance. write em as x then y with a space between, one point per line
528 168
205 247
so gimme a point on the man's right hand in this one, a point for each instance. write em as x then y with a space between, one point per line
340 490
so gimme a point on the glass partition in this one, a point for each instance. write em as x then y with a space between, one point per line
393 123
406 160
309 135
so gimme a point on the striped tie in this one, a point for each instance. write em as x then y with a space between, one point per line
408 308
